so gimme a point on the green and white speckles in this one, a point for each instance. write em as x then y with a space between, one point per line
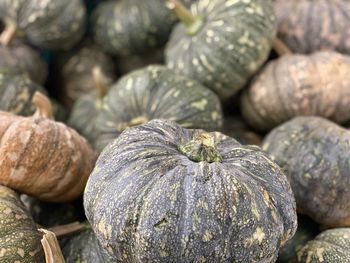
201 105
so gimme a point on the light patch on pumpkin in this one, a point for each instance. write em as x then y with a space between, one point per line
200 105
215 115
7 211
105 230
12 156
207 236
20 252
129 83
258 236
2 252
231 2
19 216
206 64
319 254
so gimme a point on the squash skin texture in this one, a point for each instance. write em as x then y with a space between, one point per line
148 202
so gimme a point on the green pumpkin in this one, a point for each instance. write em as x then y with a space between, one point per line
19 237
155 92
48 24
315 153
221 43
163 193
331 246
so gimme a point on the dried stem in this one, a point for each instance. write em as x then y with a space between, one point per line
8 34
52 250
280 47
43 106
67 229
100 82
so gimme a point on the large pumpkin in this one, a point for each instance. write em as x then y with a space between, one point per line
155 92
41 157
221 43
19 237
163 193
295 85
314 154
47 24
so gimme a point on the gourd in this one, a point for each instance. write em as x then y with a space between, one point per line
314 154
155 92
307 26
331 246
295 85
46 24
41 157
221 43
19 237
163 193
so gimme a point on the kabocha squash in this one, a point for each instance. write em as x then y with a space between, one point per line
307 25
47 24
314 154
221 43
295 85
41 157
19 237
331 246
155 92
163 193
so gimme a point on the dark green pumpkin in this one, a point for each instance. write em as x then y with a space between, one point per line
163 193
19 237
222 43
315 153
47 24
331 246
155 92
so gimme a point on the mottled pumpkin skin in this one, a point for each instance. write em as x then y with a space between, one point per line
331 246
156 92
233 42
296 85
148 202
43 158
314 154
19 237
47 24
308 25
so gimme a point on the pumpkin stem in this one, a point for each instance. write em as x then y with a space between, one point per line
68 229
43 106
52 250
202 149
100 82
8 34
193 23
280 47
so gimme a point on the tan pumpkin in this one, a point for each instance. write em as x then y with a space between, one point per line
41 157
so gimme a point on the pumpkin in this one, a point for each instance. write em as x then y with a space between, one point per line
155 92
163 193
47 24
314 154
331 246
19 237
307 26
295 85
41 157
75 71
221 43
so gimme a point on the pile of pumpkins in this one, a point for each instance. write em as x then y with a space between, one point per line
175 131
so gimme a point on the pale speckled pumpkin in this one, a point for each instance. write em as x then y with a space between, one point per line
163 193
331 246
222 43
19 237
296 85
155 92
49 24
315 153
41 157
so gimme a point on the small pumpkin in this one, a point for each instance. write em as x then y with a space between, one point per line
314 154
46 24
163 193
155 92
331 246
41 157
221 43
295 85
307 26
19 237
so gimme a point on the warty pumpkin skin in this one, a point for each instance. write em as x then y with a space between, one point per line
41 157
314 154
19 237
308 25
155 92
48 24
223 44
163 193
296 85
331 246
